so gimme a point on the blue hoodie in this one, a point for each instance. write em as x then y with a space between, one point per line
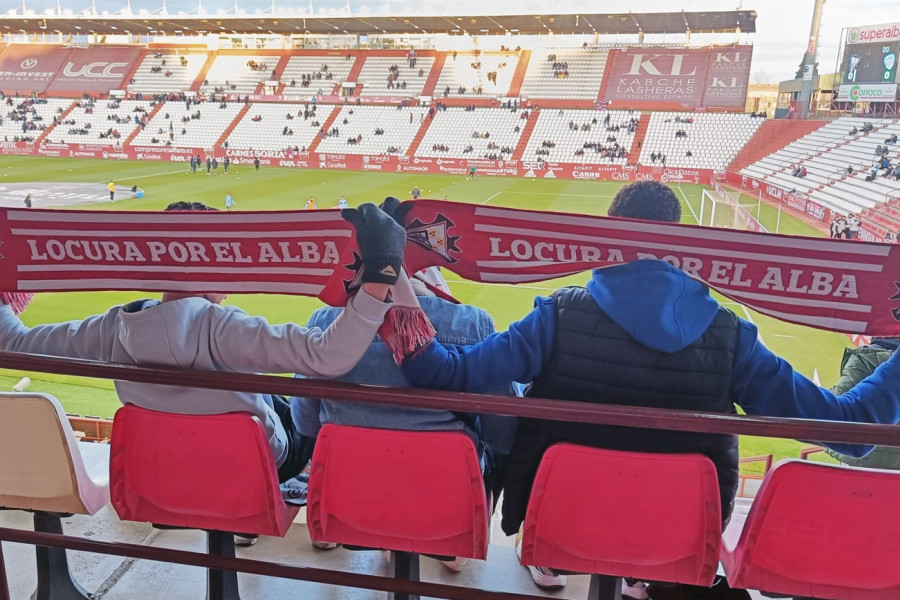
663 309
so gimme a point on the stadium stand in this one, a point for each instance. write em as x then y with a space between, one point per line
826 154
376 69
103 122
465 74
571 144
582 79
473 133
26 120
274 131
310 68
239 73
203 124
709 141
166 72
361 124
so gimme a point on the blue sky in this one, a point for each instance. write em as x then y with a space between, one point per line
782 25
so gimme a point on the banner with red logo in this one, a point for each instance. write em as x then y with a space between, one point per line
839 285
727 77
27 68
678 78
96 70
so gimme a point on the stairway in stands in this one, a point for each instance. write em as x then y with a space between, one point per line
137 130
220 143
771 137
326 126
638 141
204 71
434 74
420 134
515 86
526 135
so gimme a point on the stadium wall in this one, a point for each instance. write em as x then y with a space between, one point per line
360 162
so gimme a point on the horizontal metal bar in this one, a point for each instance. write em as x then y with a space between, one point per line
257 567
537 408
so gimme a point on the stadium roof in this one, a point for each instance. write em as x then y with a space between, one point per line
601 23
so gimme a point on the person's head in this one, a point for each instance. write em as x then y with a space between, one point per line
647 200
214 297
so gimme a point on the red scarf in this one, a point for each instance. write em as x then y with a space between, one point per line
830 284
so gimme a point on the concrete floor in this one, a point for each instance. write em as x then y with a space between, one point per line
114 578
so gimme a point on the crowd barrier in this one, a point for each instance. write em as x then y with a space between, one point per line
364 162
653 418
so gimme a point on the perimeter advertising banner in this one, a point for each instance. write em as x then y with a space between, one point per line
873 92
26 68
96 70
676 78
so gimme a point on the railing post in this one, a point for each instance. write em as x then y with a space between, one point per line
4 583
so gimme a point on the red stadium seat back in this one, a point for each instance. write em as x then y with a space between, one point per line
821 531
629 514
212 472
411 491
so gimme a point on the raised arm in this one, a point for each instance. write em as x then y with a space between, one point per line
766 384
517 354
241 342
90 339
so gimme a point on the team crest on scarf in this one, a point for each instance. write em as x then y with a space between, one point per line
896 312
350 287
434 236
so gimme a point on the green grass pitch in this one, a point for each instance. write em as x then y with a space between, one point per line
283 189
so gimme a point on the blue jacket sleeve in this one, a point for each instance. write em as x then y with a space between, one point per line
517 354
766 384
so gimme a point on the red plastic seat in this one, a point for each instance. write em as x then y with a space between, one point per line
624 514
210 472
410 491
821 531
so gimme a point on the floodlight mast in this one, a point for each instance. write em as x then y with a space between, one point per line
809 60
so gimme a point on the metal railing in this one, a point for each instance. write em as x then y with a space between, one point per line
557 410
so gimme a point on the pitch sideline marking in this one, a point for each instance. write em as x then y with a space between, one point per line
145 176
492 197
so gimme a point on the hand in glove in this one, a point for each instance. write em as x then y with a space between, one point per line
381 242
396 209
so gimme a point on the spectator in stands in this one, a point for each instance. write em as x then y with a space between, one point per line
878 150
856 365
492 434
854 131
849 169
891 140
193 330
649 323
871 176
852 231
836 227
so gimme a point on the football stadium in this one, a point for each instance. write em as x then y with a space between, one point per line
684 422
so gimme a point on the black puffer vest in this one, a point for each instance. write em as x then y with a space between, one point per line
595 360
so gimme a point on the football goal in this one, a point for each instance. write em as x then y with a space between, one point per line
720 207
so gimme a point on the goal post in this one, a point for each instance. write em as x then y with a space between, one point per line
720 207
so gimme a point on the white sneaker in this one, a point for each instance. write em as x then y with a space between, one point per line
543 577
245 540
456 565
325 545
637 590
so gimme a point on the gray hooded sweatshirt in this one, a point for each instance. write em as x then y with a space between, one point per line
196 334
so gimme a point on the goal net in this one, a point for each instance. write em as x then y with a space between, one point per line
720 207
